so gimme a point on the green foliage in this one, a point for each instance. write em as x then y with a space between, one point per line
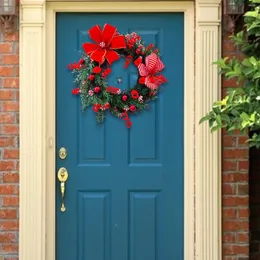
240 109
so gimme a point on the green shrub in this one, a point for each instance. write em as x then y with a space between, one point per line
240 109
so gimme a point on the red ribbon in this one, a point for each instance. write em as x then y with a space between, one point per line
106 41
127 119
128 59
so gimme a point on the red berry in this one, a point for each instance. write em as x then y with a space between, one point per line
96 70
91 77
81 61
75 91
132 108
142 80
124 97
96 89
107 106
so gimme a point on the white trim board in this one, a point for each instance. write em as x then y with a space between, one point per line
37 124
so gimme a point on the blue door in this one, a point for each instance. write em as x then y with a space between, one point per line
124 193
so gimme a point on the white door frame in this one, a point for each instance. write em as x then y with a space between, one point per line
37 123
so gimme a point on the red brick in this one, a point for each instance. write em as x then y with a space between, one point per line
11 177
6 71
11 153
10 201
10 225
229 237
242 140
7 237
229 83
235 177
235 153
230 258
16 71
229 46
243 213
228 189
14 37
8 213
11 129
7 94
11 59
6 141
229 140
16 258
235 225
10 248
229 213
243 237
11 106
6 47
11 83
243 165
234 201
235 249
7 165
242 189
6 117
8 189
229 165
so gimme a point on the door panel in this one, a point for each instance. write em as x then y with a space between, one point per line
124 194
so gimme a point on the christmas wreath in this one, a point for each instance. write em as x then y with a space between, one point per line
94 66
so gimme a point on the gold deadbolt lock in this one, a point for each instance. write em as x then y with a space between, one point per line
63 153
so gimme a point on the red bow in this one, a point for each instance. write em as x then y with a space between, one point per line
153 65
106 41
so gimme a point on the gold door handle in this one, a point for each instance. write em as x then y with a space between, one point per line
62 176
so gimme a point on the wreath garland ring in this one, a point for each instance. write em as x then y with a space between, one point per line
94 66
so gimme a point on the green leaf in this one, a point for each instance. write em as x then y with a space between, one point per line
218 120
246 63
257 75
205 118
245 116
214 128
253 61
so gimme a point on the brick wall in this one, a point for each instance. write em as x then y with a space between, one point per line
254 191
9 150
234 183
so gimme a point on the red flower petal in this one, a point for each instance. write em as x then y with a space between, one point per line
134 94
95 33
118 42
99 55
112 56
108 33
90 47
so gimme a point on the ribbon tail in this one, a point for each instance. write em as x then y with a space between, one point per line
127 61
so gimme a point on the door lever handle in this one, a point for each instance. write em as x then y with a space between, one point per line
62 177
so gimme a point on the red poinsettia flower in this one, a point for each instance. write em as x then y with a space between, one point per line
106 41
135 94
